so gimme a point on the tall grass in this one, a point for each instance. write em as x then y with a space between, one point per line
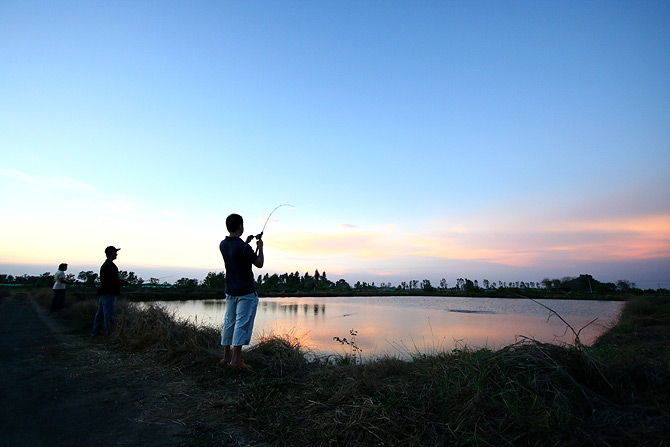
151 329
528 393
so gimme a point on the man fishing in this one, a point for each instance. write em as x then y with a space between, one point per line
241 296
110 288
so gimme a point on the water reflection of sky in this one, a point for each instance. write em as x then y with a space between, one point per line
398 325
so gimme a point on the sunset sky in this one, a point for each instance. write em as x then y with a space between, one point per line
509 141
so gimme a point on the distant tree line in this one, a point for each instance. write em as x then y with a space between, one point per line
84 278
296 283
580 284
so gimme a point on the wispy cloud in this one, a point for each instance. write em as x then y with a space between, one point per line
635 238
13 174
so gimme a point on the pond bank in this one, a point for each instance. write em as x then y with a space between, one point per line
615 393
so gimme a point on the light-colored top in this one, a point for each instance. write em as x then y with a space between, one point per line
58 277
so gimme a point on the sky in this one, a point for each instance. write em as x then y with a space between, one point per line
499 140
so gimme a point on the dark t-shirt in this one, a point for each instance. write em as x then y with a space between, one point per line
109 279
238 257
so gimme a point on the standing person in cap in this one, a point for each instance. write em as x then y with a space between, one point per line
241 296
110 287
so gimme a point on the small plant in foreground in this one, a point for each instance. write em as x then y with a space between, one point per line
356 352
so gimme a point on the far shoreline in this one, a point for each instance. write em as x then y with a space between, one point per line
147 294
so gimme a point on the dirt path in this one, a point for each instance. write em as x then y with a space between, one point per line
68 390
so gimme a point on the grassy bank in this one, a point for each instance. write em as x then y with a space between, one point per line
614 393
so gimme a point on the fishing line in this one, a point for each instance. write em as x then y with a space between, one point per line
260 235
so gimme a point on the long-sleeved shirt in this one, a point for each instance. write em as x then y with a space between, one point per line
110 284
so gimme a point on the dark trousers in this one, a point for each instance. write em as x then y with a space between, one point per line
58 300
104 315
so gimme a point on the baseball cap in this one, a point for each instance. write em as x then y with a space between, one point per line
111 249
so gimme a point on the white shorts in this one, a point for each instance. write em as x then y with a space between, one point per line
239 320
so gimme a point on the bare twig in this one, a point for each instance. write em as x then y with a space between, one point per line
578 343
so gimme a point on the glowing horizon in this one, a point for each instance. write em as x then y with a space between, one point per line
343 249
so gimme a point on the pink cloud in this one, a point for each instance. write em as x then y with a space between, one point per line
515 244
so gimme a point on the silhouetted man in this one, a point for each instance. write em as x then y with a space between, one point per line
241 296
110 288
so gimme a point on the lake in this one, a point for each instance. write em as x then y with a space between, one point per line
401 326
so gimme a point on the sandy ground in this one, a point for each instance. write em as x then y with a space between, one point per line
60 389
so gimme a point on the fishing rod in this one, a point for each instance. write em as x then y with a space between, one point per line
260 235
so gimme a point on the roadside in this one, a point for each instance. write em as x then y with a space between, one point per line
69 390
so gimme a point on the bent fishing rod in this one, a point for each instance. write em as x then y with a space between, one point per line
260 235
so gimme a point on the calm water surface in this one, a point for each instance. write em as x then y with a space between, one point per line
403 325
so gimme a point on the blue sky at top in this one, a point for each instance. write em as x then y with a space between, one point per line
471 133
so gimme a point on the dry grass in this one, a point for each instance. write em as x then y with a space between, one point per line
173 341
150 329
529 393
526 394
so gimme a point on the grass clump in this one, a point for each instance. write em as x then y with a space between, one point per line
174 341
278 355
151 329
526 394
